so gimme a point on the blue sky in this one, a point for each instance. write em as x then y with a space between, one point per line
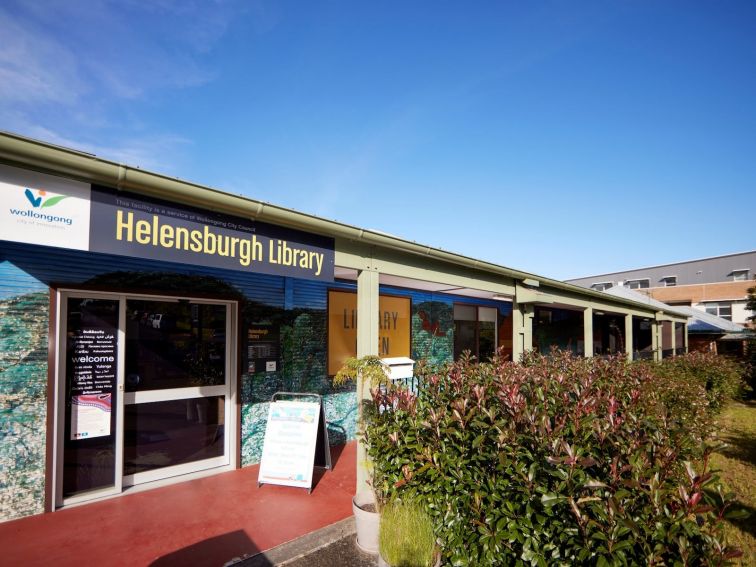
562 138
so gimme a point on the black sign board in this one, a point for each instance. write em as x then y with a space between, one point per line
127 224
262 347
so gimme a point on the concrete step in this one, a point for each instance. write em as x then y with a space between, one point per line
331 546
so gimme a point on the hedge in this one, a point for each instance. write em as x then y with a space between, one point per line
557 460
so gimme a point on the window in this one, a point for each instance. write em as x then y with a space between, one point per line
601 286
637 284
739 275
560 328
669 281
721 309
475 330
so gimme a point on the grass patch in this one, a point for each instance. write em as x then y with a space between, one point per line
406 536
737 466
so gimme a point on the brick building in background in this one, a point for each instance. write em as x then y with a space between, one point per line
717 285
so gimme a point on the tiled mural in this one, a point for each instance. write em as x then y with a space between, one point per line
303 370
23 402
433 331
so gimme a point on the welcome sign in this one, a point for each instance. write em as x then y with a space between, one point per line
52 211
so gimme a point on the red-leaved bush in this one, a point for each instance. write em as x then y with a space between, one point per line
556 460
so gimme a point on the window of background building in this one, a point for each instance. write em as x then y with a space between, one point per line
740 275
721 309
601 286
475 330
669 281
637 284
561 328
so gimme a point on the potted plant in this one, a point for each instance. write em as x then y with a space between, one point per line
406 537
367 372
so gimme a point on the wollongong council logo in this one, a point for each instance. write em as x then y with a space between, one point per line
41 201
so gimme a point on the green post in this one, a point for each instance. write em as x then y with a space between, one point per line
588 332
629 336
522 330
656 336
367 343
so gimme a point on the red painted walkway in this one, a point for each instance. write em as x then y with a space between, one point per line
200 522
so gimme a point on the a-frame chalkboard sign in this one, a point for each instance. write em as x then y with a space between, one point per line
296 440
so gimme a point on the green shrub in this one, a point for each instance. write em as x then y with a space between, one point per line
406 535
750 370
557 460
721 376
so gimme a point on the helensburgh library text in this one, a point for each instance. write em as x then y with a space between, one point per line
207 241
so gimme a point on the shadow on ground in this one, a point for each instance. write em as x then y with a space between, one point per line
741 444
207 551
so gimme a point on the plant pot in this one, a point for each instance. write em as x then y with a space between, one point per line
366 522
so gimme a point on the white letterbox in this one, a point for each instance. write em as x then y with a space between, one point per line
400 367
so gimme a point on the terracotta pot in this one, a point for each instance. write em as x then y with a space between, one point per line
366 522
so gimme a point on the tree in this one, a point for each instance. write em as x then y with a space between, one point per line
751 301
751 344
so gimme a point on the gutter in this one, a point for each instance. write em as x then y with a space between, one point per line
25 152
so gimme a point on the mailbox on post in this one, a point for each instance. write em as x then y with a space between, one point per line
400 367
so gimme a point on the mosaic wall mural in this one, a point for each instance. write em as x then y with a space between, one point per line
303 369
433 331
23 401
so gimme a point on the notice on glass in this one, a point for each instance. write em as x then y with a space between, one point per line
288 453
93 379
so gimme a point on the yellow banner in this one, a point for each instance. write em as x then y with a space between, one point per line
394 320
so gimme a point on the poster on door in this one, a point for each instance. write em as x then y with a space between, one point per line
93 379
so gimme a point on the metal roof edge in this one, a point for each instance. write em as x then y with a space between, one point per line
54 159
661 266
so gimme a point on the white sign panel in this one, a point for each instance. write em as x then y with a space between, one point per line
43 209
289 447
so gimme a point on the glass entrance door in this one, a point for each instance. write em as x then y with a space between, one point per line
177 388
144 391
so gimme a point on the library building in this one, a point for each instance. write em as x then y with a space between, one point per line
146 323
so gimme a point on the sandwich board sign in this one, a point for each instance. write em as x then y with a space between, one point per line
296 440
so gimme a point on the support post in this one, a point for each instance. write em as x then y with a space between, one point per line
522 330
588 332
367 343
656 332
629 336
